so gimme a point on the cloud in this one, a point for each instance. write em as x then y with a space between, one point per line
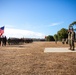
11 32
54 24
9 26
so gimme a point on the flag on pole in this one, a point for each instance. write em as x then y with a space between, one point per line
1 30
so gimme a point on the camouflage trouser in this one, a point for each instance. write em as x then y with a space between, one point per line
71 44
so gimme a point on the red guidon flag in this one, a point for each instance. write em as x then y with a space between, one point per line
1 30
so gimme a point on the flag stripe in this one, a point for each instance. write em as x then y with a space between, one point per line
1 30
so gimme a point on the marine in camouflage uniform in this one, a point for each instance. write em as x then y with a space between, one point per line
71 38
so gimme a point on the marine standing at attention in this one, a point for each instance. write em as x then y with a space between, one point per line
71 39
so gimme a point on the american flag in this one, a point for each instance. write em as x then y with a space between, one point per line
1 30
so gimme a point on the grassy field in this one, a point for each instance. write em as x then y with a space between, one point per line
30 59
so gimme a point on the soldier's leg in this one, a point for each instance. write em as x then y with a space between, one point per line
69 44
73 45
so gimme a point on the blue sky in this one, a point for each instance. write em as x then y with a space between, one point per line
36 18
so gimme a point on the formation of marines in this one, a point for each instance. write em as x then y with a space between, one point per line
3 41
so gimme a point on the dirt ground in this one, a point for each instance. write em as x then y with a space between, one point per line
30 59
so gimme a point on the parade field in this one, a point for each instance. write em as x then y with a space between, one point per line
30 59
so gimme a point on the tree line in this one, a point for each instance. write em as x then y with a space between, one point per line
61 34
